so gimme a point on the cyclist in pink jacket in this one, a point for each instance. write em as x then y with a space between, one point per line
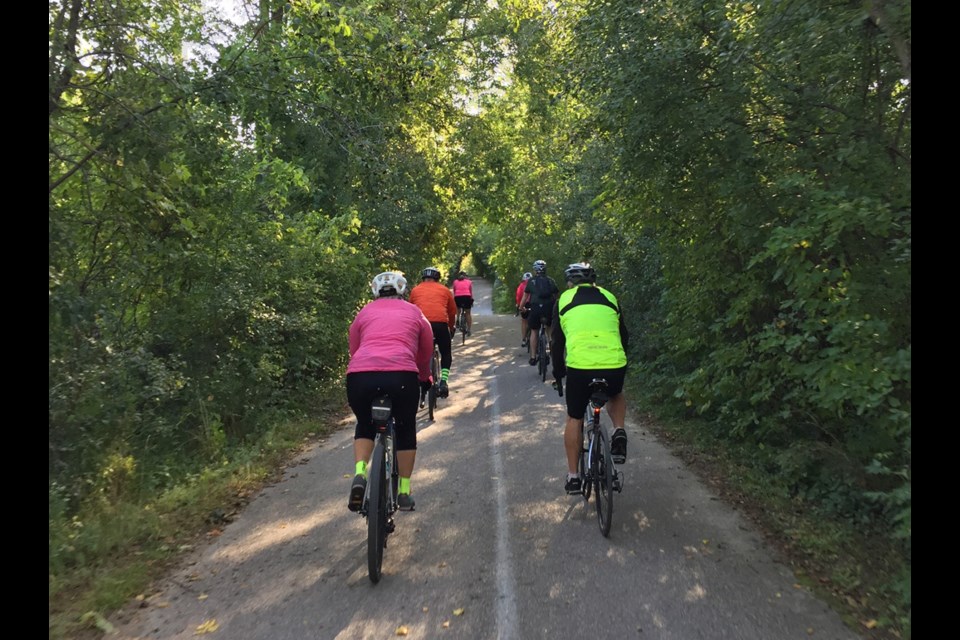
523 311
463 296
391 344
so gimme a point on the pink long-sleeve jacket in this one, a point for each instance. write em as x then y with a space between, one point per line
390 334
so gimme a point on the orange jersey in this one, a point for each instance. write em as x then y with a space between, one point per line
435 301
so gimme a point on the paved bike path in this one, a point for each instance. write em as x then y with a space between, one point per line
495 548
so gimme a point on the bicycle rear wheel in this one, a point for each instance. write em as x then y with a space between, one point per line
377 512
463 328
601 466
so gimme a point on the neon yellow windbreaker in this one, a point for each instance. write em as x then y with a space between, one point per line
591 328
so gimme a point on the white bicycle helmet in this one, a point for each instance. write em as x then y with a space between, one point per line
388 283
580 272
527 275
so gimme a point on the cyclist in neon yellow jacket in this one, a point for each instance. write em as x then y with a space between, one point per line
589 341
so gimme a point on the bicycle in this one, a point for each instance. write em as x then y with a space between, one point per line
429 398
461 325
380 498
598 472
542 359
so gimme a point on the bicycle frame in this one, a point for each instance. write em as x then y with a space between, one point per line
597 468
461 325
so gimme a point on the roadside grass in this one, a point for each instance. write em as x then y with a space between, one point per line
118 550
860 574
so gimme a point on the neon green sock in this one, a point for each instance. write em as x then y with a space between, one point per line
444 374
404 485
361 468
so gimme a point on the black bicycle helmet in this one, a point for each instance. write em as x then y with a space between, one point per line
580 272
539 267
431 272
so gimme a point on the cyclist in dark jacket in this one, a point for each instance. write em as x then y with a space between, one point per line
589 341
539 296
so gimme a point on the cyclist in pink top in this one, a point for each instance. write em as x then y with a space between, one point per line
463 296
523 312
391 344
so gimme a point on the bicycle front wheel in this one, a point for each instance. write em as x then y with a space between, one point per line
432 391
601 467
377 512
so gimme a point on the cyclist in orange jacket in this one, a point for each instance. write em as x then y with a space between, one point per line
438 306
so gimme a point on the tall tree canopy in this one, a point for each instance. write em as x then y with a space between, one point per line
220 194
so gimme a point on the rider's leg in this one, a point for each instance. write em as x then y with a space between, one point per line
362 449
617 410
534 339
442 336
572 444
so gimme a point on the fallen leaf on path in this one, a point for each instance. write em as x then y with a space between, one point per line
98 620
207 627
869 624
402 630
458 612
446 624
202 596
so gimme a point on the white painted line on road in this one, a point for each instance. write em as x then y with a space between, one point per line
506 586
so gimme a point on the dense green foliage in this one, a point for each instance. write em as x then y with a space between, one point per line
220 195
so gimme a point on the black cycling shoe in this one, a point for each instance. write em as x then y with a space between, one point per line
405 501
442 390
573 486
618 446
356 493
533 362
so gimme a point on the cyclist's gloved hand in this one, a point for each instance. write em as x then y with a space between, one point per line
425 385
559 372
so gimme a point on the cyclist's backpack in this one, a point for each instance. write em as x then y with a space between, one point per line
542 292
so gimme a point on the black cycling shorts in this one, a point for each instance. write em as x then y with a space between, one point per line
463 302
539 314
577 387
403 388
